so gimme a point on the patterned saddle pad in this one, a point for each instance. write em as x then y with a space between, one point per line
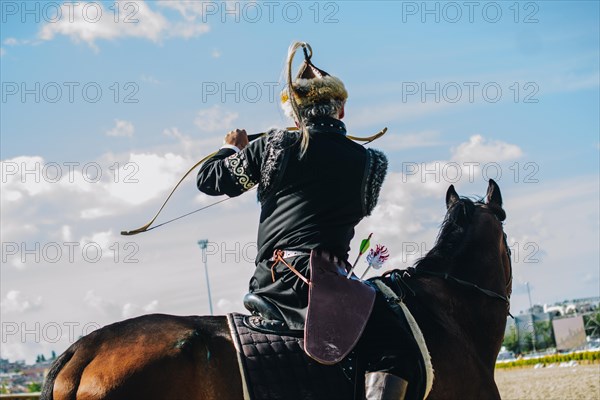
275 367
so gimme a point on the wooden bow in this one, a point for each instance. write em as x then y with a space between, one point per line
147 227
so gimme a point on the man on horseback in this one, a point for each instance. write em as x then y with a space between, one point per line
314 186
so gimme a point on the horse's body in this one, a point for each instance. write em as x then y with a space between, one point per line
193 358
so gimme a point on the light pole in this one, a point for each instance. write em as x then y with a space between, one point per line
529 294
532 318
203 244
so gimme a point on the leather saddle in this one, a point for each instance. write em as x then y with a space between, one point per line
338 310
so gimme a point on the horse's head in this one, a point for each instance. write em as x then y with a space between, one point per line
471 246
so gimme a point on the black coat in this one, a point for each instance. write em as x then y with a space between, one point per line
309 202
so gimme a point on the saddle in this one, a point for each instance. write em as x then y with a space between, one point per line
338 309
274 361
275 366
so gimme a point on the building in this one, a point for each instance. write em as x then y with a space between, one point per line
533 329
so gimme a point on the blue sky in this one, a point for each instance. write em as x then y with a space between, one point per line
544 139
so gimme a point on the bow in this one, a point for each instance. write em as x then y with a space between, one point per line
147 227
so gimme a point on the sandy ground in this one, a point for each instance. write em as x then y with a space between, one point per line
557 383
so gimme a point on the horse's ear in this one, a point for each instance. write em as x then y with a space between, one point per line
451 197
493 195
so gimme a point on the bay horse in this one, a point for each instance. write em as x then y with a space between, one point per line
461 297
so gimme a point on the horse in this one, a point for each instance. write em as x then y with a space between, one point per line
460 299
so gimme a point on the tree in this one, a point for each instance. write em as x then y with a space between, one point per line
592 324
511 340
543 331
53 357
34 387
526 344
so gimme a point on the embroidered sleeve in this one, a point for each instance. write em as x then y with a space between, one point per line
238 167
231 173
376 170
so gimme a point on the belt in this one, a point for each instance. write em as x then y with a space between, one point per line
279 256
290 253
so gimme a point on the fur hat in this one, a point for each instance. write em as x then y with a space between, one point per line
312 85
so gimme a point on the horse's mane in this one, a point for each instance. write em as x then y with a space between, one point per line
452 231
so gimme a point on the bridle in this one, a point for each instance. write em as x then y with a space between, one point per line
399 276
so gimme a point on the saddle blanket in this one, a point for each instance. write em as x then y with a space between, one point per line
275 367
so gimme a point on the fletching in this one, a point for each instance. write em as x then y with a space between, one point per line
377 256
364 245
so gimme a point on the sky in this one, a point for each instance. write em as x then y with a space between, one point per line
106 104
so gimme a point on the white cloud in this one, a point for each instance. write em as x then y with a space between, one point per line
25 175
215 119
224 306
91 21
133 310
2 51
185 140
112 308
103 307
404 217
101 241
14 351
195 10
38 208
215 54
122 128
11 41
96 212
152 175
187 30
18 263
393 141
15 302
478 149
66 234
29 182
541 226
189 10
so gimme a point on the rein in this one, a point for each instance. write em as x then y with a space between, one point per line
398 277
410 272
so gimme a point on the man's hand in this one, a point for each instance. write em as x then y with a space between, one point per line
238 138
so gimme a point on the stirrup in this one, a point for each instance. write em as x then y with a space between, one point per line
258 305
266 318
384 386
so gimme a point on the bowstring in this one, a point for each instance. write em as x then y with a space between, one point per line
215 203
193 212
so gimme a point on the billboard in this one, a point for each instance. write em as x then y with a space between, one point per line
569 333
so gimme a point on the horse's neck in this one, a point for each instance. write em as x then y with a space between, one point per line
460 311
